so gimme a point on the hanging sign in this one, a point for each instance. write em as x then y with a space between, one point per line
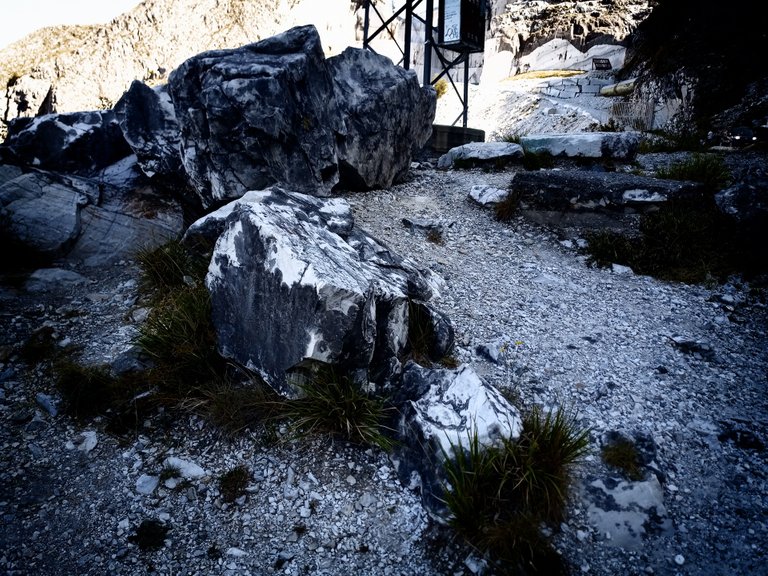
462 25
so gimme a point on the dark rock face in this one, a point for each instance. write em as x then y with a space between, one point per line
80 142
277 112
747 203
286 288
387 114
562 190
148 122
258 115
94 222
440 410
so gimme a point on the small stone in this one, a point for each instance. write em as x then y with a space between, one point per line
89 441
351 480
235 552
679 559
146 484
46 403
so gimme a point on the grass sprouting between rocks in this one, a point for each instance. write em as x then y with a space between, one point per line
331 402
500 496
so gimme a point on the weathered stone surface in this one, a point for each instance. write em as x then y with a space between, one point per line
747 203
616 145
387 115
80 142
287 289
440 410
45 278
487 195
90 221
148 122
562 190
258 115
42 211
480 153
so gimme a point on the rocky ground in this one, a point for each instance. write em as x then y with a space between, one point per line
681 368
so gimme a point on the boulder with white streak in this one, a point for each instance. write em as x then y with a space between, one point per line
292 282
440 411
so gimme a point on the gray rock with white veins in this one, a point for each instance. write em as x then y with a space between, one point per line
286 288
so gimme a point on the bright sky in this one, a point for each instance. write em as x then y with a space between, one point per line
20 17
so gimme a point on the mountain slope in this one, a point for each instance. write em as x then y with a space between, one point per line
68 68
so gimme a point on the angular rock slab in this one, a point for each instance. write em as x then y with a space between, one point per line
440 410
387 115
626 512
481 153
43 212
79 142
94 222
615 145
148 121
258 115
287 288
562 190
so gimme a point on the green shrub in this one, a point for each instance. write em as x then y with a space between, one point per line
169 267
687 240
708 169
666 141
499 496
333 403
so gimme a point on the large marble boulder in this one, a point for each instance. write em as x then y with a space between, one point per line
612 145
258 115
148 121
291 282
79 142
441 410
387 115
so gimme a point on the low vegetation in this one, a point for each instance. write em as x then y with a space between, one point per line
233 483
441 87
500 496
709 169
331 402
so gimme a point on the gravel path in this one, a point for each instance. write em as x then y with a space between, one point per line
683 366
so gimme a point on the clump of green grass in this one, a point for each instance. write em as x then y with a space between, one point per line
621 453
709 169
508 208
331 402
499 496
668 141
234 408
233 483
179 336
511 138
169 267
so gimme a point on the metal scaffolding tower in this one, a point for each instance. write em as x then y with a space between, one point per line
460 31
